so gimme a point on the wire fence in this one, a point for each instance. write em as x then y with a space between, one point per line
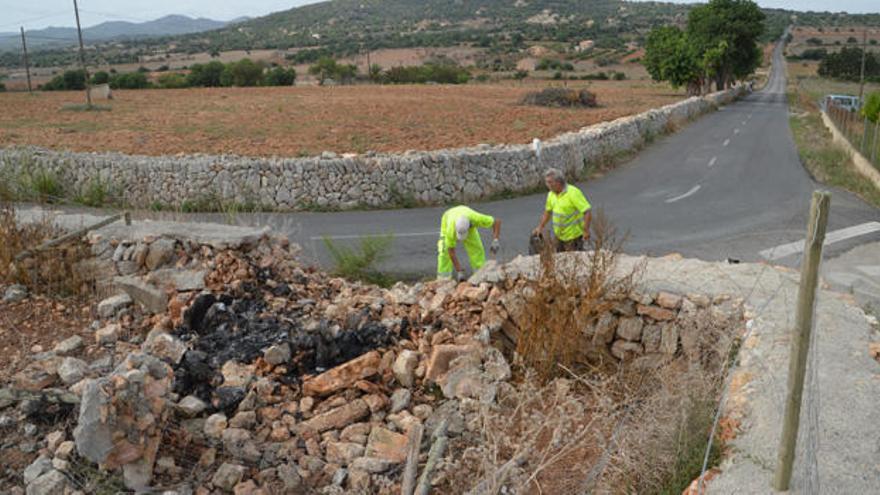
862 134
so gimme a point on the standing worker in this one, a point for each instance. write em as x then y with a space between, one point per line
459 224
570 210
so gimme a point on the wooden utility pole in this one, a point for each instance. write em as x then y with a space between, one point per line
27 67
800 340
864 53
82 56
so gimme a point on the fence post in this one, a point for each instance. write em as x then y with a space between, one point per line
800 339
876 144
864 135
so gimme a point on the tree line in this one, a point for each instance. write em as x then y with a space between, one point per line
719 44
847 65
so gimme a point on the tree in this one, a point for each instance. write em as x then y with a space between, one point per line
375 72
279 76
100 77
325 68
670 57
871 108
739 23
207 75
847 64
245 72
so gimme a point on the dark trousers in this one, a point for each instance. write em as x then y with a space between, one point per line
576 244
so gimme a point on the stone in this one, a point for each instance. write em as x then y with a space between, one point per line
72 370
400 399
191 406
108 334
111 306
39 467
215 425
247 488
656 313
227 476
149 297
178 280
404 367
624 350
343 453
359 481
339 417
468 382
651 338
371 465
277 354
161 252
238 443
15 293
166 347
422 411
603 333
339 477
344 375
68 345
244 419
236 374
289 477
385 444
93 436
630 329
54 439
442 356
668 300
50 483
669 339
65 450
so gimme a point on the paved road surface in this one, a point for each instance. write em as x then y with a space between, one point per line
729 185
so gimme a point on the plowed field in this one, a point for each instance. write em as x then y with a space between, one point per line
295 121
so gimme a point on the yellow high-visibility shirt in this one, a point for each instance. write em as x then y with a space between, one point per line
567 209
447 223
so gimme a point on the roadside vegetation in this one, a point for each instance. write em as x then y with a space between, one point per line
362 261
825 161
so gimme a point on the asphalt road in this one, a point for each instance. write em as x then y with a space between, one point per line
729 185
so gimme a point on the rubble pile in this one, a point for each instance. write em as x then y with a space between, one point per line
234 369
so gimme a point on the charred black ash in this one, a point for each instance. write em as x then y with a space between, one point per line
222 328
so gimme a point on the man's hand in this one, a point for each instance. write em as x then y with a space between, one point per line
537 231
495 247
460 276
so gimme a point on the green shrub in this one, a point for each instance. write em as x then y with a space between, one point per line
445 73
44 185
207 75
871 108
243 73
279 76
173 80
100 77
130 80
96 193
360 263
561 97
70 80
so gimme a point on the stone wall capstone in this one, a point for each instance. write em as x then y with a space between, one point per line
334 181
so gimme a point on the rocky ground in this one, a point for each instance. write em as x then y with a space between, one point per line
214 362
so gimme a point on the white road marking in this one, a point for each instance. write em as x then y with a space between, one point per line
689 193
358 236
713 160
784 250
726 142
744 122
736 131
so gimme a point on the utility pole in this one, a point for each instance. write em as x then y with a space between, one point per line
800 339
862 76
82 57
27 67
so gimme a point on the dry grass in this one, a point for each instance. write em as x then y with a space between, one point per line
60 271
567 298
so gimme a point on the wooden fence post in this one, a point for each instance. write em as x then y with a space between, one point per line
800 339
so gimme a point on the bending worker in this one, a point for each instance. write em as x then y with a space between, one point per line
459 224
570 211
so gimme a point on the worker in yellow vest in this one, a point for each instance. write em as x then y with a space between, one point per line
569 210
459 224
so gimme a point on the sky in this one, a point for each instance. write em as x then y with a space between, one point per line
43 13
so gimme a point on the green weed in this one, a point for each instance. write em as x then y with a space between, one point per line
361 263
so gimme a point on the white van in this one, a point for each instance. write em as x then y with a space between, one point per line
846 102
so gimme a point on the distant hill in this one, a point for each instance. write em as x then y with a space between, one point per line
111 31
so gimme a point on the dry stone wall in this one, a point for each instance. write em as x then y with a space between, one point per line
351 181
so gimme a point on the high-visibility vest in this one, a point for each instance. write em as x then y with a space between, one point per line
567 209
447 223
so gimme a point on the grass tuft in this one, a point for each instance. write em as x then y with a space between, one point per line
361 263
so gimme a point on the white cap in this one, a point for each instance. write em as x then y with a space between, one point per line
462 225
